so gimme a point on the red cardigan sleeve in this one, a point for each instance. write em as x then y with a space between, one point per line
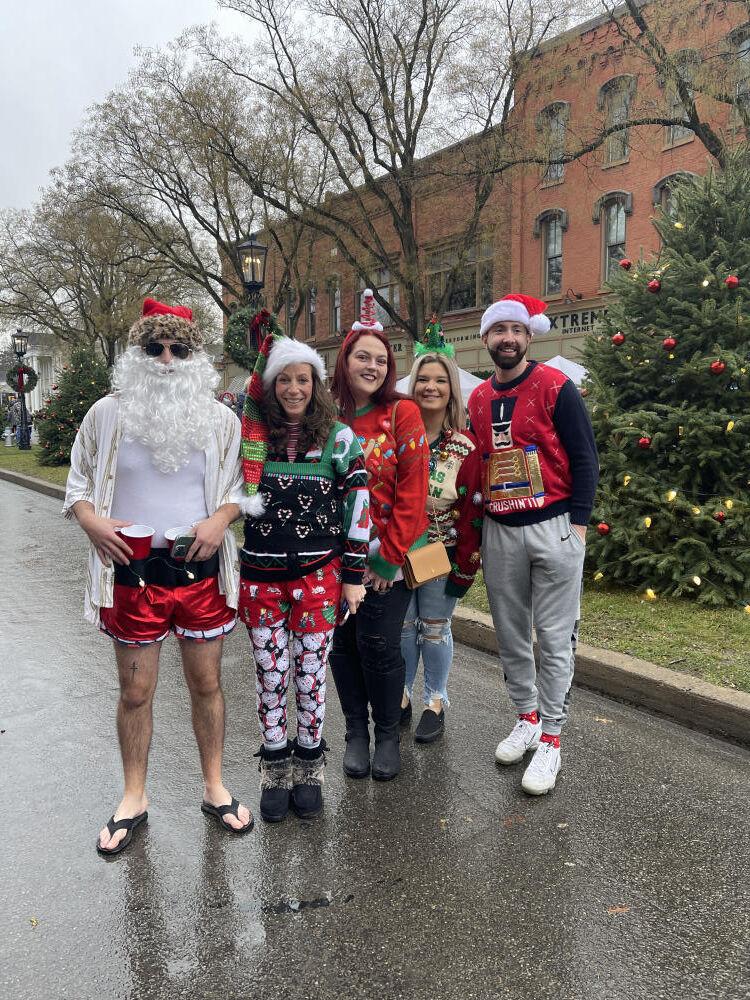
468 523
408 518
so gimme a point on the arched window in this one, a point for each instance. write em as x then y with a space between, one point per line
549 226
311 307
613 208
552 123
334 304
615 98
661 195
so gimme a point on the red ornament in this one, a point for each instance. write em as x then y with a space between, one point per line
732 281
618 338
717 367
626 264
654 286
644 442
669 343
720 516
603 528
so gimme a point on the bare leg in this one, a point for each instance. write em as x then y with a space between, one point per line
138 669
201 662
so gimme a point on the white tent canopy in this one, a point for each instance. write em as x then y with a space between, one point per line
575 372
469 382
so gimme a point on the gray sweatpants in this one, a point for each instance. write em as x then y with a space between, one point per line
533 573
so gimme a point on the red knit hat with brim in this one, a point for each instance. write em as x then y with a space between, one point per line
516 309
160 320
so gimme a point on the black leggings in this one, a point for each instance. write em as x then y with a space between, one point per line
367 664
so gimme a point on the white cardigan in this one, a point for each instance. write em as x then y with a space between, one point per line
93 465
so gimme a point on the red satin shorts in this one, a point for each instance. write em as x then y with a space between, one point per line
142 615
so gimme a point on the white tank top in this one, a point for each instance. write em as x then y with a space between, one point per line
164 500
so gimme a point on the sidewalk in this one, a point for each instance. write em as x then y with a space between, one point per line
682 697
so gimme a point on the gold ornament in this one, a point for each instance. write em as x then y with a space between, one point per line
626 480
730 426
729 504
696 510
747 609
671 495
649 594
697 581
646 522
671 357
598 576
679 225
706 282
680 430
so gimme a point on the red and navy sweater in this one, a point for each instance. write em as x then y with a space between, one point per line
537 447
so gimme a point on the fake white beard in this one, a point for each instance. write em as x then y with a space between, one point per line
169 408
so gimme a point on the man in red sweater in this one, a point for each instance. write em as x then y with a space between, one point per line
539 476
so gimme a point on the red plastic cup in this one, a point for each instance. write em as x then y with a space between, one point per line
138 537
171 533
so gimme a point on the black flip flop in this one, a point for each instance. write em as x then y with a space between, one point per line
232 810
121 824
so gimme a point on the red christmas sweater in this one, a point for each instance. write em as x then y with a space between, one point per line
394 455
537 445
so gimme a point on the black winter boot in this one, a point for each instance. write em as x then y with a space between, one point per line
308 764
385 688
357 755
275 782
386 761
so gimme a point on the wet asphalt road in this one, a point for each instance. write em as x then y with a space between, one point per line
629 881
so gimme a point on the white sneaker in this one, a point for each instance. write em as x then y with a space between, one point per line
524 736
541 774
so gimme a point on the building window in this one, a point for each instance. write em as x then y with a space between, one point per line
383 282
685 63
289 303
662 195
334 304
549 226
552 123
615 98
743 72
311 304
472 287
614 236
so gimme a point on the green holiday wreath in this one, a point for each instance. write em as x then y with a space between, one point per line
246 331
30 378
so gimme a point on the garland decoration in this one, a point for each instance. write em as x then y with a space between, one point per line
21 378
246 331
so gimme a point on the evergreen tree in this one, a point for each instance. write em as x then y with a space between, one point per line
669 388
84 380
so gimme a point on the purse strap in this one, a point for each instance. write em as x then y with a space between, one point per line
432 498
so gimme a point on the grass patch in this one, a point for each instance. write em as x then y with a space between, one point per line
27 463
710 643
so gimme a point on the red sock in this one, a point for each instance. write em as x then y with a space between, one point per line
532 717
549 738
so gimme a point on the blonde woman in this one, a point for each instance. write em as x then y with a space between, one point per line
455 515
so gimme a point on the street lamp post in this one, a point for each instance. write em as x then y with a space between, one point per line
20 346
253 258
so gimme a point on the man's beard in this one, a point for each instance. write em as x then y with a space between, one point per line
504 361
169 408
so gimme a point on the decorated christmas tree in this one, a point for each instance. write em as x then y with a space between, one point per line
669 388
81 382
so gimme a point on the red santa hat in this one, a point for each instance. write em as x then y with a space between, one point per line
516 309
160 320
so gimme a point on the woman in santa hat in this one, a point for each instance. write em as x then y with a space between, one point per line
366 659
307 530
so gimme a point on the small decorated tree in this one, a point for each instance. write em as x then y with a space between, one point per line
81 382
669 387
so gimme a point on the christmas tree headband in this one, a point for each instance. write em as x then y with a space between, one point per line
433 341
274 355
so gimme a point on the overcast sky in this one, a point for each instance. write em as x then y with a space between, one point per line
59 56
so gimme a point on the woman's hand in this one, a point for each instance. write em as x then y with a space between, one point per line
379 583
209 535
353 594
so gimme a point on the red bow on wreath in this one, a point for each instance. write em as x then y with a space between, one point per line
260 326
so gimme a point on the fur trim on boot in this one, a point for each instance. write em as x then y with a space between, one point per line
275 782
308 765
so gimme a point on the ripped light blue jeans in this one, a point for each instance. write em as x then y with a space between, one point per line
427 632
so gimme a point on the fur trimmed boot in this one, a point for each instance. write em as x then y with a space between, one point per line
275 782
308 764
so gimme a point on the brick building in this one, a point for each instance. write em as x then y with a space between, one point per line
555 230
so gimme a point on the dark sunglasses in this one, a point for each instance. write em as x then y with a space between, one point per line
155 350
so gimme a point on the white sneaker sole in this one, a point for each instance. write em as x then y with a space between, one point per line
505 760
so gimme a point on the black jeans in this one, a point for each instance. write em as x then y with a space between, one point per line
367 664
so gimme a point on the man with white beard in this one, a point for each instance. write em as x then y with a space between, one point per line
161 451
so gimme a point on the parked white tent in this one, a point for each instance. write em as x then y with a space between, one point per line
469 382
575 372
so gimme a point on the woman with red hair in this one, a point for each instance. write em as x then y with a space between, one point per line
366 660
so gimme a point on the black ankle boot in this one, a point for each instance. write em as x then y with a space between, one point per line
275 782
357 755
308 764
386 761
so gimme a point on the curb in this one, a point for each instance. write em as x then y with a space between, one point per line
32 483
685 699
688 700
